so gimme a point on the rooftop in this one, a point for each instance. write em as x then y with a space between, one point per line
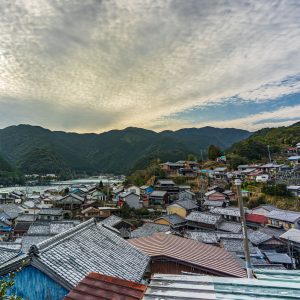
229 211
73 254
203 217
292 235
284 215
230 226
189 251
158 194
149 229
97 286
271 284
51 211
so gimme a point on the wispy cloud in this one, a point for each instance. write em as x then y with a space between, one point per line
137 63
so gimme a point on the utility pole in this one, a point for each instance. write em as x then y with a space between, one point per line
269 154
249 270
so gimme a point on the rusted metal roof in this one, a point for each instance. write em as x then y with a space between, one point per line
96 286
189 251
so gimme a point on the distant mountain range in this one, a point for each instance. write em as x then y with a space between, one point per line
33 149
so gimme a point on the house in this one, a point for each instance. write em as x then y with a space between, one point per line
53 214
266 241
292 236
186 194
133 189
167 185
256 220
294 190
220 173
122 226
230 195
97 286
267 284
294 160
215 196
158 198
279 258
228 213
11 210
263 210
70 202
53 267
173 221
106 211
182 207
187 172
90 212
133 200
284 219
208 204
184 187
172 254
146 190
149 229
172 168
202 220
232 227
21 228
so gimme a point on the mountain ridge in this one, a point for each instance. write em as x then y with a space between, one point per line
29 147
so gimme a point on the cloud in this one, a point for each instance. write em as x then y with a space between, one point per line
137 63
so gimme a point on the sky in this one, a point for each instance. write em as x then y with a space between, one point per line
93 66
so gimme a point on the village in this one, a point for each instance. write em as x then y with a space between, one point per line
150 234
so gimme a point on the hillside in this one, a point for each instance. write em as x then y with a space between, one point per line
255 147
35 149
8 175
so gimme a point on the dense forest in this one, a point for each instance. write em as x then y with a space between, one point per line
33 149
255 147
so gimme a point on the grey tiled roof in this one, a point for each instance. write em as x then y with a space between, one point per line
90 247
230 226
229 211
173 219
284 215
213 203
187 204
208 237
279 258
202 217
149 229
12 210
236 245
158 194
112 220
258 237
26 218
272 231
7 254
29 240
51 211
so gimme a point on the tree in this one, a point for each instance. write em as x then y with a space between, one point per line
191 157
125 211
214 152
5 285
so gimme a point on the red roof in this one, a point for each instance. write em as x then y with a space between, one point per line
96 286
191 252
256 218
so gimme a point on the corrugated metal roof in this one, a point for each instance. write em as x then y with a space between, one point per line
189 251
270 284
96 286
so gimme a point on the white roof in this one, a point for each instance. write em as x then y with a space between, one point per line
292 234
284 215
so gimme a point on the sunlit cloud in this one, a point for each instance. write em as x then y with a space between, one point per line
98 65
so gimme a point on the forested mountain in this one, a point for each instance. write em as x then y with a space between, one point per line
8 175
255 147
35 149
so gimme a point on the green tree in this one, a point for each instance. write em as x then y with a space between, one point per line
191 157
214 152
5 285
